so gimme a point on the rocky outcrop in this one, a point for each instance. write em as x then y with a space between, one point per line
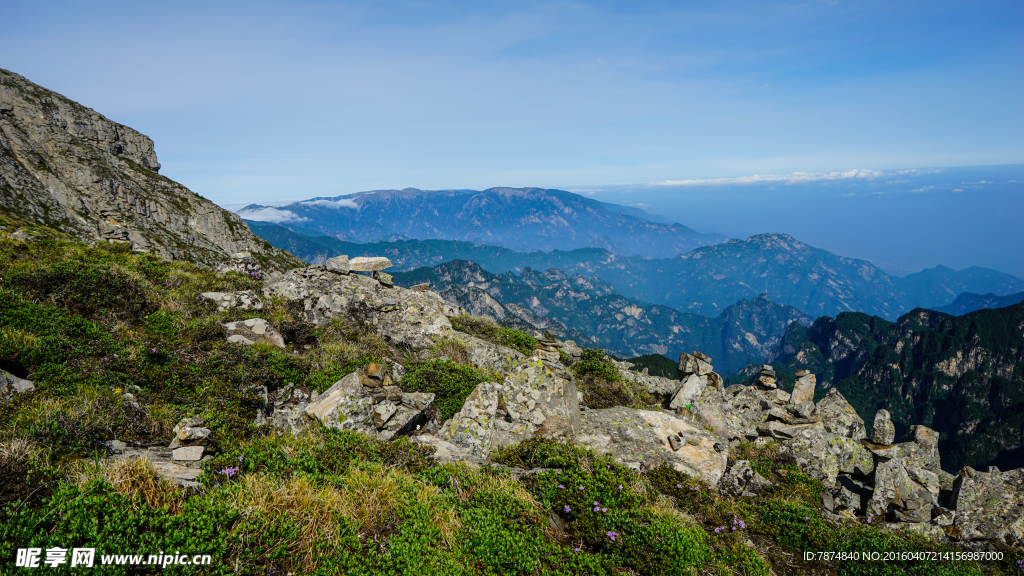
537 399
243 300
11 385
67 167
366 402
645 439
741 480
988 506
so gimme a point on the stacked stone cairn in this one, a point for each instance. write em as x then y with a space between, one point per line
374 264
190 440
697 375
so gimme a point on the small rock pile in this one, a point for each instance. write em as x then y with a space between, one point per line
696 375
244 263
243 299
253 330
765 379
375 264
190 440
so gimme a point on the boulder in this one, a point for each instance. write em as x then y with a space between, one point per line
988 505
661 388
895 487
253 330
742 480
690 389
803 389
188 453
839 417
369 263
11 385
338 264
848 495
243 300
193 436
640 439
927 442
821 454
538 399
884 431
687 365
350 405
384 278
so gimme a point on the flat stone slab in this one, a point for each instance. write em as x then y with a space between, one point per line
188 453
369 263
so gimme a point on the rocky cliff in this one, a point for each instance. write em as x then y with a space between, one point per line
67 167
590 311
961 375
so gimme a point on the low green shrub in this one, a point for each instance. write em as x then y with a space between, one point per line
85 289
451 383
489 330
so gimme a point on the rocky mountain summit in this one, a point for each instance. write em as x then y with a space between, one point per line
591 312
524 219
968 302
957 374
66 167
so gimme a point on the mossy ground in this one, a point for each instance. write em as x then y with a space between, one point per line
89 324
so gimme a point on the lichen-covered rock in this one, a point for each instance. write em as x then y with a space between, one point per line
884 431
742 480
691 388
839 417
927 442
989 506
350 405
338 264
736 412
244 300
659 387
11 385
253 330
824 455
369 263
640 439
537 399
894 486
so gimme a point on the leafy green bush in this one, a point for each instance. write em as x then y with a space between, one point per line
85 289
656 545
451 383
490 330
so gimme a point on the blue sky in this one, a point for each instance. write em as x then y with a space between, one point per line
260 101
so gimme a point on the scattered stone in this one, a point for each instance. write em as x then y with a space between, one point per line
253 330
639 439
766 382
675 443
884 430
989 506
384 278
193 436
11 385
188 453
741 481
351 405
243 263
338 264
244 300
423 287
369 263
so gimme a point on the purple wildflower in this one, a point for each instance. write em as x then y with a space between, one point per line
597 508
679 485
733 527
596 503
567 509
576 549
717 529
154 349
604 510
612 535
620 486
869 519
581 487
742 525
239 458
560 487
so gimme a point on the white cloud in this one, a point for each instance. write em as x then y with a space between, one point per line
640 205
267 214
343 203
923 189
958 190
584 191
794 178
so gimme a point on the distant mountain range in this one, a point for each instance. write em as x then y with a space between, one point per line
523 219
704 281
960 375
968 302
592 312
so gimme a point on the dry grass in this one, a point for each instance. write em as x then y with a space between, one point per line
135 479
452 348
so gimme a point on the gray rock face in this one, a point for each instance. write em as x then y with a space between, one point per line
242 263
538 399
884 430
253 330
244 300
351 405
98 181
696 375
11 385
188 453
338 264
839 417
927 446
989 506
897 486
640 439
741 480
823 455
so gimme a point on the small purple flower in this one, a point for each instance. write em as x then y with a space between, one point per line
239 458
869 519
733 527
576 549
104 358
31 389
115 355
567 509
560 487
717 529
620 486
604 510
806 518
597 508
154 349
596 503
679 485
742 525
612 535
581 487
